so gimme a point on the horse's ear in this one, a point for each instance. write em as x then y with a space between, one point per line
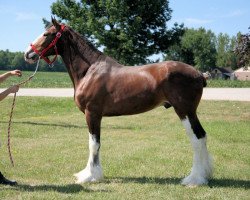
55 23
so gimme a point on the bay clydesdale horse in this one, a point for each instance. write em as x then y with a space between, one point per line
103 87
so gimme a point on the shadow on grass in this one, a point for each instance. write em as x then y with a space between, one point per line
64 125
47 124
177 181
68 189
71 188
145 180
233 183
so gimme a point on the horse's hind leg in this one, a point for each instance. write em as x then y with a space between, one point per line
93 170
202 162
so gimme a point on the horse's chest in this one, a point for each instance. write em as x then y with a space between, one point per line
79 104
81 98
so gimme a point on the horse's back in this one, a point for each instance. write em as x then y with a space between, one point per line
174 72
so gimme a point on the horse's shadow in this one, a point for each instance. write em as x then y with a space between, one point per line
232 183
213 183
68 189
144 180
63 125
76 188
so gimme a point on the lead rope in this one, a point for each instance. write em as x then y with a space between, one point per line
12 109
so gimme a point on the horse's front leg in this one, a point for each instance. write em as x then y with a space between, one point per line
93 170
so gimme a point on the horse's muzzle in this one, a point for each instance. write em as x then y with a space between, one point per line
30 56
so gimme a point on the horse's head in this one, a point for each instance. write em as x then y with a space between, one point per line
45 44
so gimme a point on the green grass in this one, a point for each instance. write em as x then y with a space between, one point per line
41 80
143 156
228 84
62 80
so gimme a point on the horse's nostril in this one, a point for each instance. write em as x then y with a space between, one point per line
26 56
30 55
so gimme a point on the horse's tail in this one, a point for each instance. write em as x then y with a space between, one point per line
204 81
204 77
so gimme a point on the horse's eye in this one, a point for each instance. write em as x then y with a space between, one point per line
45 34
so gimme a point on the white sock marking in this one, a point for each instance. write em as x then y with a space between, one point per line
93 171
202 162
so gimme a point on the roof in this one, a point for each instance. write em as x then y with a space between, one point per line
222 70
242 69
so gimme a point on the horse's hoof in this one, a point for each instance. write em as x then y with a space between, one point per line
88 175
193 181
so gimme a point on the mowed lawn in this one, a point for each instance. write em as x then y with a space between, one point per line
143 156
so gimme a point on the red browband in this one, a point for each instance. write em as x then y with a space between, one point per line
52 44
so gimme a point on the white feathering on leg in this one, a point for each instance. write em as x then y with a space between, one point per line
202 161
92 172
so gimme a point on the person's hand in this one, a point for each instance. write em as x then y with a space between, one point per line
13 89
16 73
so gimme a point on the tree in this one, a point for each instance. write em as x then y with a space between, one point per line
197 47
3 59
223 42
15 60
127 30
242 49
178 53
225 55
18 61
202 44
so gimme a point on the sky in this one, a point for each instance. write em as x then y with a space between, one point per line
21 20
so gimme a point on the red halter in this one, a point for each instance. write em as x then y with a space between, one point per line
52 44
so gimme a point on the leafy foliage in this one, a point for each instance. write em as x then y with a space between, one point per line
202 49
15 60
243 49
131 31
127 30
225 55
197 47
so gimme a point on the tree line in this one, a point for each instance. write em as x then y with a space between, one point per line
132 31
204 50
15 60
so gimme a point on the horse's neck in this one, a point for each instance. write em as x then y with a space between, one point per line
78 56
76 68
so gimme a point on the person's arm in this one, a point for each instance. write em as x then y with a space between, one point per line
5 93
6 75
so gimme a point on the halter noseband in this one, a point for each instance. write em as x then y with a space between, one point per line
52 44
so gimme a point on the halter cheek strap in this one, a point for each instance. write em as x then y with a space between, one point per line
51 45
